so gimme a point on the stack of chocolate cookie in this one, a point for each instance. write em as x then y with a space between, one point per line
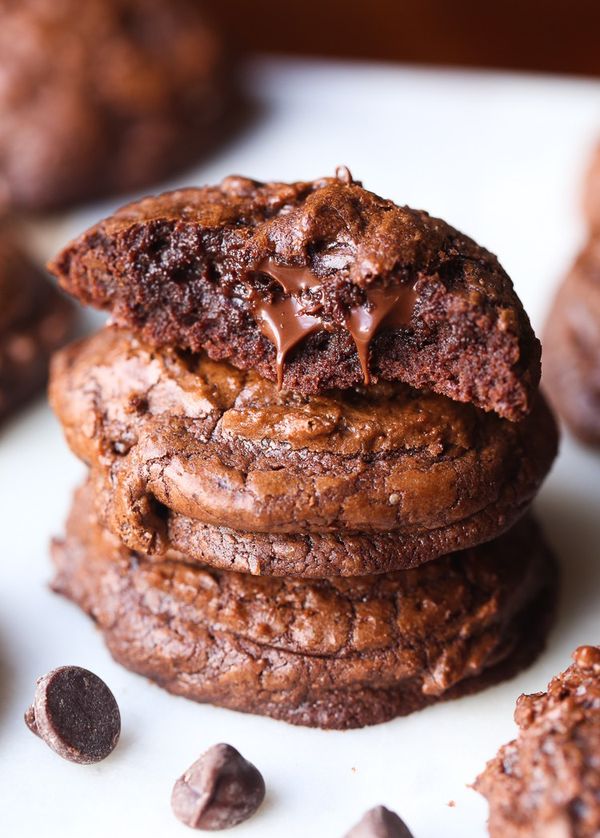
313 431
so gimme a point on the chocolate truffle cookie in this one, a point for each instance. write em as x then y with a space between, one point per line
103 96
192 451
335 653
547 781
572 347
34 320
315 285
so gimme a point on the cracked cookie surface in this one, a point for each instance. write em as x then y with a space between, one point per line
330 653
195 453
319 284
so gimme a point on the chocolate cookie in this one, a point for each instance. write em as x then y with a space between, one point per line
316 285
34 320
572 347
193 453
547 781
334 653
104 96
591 195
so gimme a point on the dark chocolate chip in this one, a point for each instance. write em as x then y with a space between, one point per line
76 714
380 823
220 790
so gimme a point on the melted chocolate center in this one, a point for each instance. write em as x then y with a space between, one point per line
286 321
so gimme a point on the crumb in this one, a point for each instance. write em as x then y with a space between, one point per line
451 804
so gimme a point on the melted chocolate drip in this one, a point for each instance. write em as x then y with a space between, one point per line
286 322
391 307
292 279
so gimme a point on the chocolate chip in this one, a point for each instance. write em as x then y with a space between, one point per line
76 714
220 790
380 823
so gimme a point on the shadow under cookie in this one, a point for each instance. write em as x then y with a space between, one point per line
336 653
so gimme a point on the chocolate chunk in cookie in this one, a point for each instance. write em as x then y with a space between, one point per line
316 285
547 781
194 453
332 653
220 790
104 96
76 714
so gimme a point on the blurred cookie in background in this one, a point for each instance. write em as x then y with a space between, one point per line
572 332
591 192
572 347
106 96
35 319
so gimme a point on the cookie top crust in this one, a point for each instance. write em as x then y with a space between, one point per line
226 448
102 97
547 781
316 285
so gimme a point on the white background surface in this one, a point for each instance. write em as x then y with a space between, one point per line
500 157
